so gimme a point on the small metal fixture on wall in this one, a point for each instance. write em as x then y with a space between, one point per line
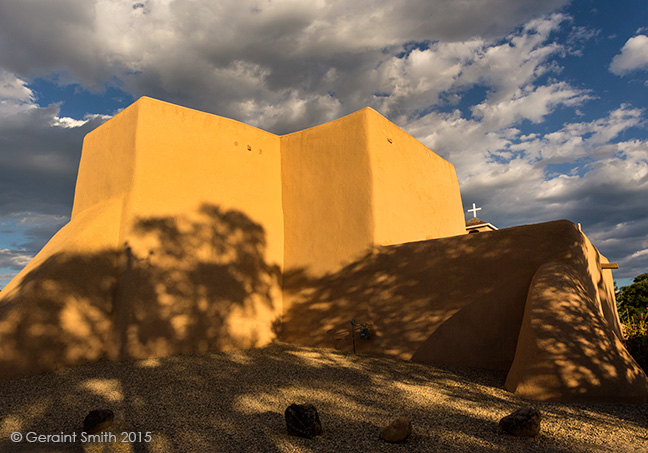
363 330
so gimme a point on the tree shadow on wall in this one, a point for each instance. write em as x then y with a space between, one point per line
458 301
414 291
190 283
187 281
211 402
576 345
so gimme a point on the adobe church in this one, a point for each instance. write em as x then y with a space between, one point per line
192 232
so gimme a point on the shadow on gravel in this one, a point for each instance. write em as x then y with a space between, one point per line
234 401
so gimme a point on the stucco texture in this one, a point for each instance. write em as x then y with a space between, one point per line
465 301
192 233
175 245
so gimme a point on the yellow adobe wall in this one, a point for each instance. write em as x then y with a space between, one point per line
603 287
104 179
361 181
202 234
107 165
179 221
461 301
457 300
175 245
567 350
65 293
57 312
415 192
184 222
327 194
186 158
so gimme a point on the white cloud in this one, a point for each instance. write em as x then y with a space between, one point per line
633 56
15 97
578 37
603 184
287 64
530 103
36 218
508 70
639 253
577 140
290 110
67 122
39 151
14 89
224 57
605 190
14 259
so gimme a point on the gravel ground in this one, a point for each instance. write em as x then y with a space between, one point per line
234 402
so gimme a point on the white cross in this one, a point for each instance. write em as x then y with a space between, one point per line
474 211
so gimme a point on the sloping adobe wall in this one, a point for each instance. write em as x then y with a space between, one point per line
175 245
176 241
566 349
415 192
361 181
57 311
358 182
457 301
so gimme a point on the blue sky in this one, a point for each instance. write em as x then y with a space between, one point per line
541 106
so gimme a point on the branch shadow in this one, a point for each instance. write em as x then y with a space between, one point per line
456 301
166 301
234 401
576 355
178 285
460 301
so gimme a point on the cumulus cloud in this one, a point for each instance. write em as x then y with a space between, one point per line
603 185
578 140
39 157
633 56
530 103
228 57
13 259
508 71
13 89
466 78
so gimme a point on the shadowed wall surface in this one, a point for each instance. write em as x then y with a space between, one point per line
191 232
177 236
461 301
175 245
566 349
113 304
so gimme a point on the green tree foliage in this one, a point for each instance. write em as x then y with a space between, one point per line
632 301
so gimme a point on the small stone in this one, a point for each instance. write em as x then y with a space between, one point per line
398 430
302 420
524 422
98 420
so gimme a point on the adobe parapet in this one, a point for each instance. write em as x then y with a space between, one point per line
192 232
323 195
184 223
